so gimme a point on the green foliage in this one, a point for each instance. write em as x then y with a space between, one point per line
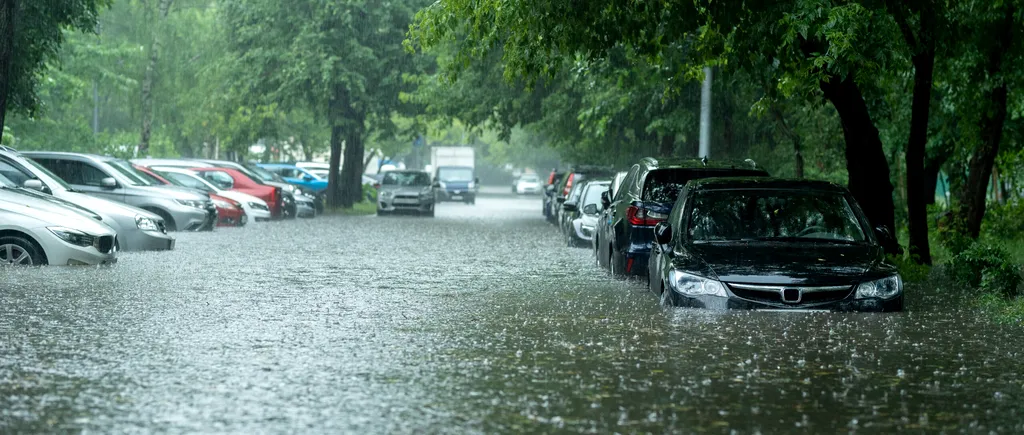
986 267
1004 221
910 270
368 192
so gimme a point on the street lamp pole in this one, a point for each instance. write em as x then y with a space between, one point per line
705 115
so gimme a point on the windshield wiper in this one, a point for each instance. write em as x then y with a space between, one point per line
806 240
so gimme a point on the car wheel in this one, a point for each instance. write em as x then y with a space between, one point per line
668 297
168 220
429 213
19 251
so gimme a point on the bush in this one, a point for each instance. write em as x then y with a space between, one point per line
369 193
985 267
1005 221
909 269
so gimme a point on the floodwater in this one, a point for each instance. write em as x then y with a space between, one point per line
476 321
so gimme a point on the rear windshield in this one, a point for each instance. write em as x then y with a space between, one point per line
664 185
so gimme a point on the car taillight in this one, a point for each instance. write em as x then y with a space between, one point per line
551 178
642 217
568 185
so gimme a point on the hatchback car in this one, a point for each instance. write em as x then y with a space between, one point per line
583 213
405 191
35 231
772 244
117 180
297 176
528 184
137 229
644 199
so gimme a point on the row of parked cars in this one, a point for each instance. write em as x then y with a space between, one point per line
81 209
726 235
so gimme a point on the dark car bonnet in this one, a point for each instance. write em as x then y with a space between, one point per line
789 263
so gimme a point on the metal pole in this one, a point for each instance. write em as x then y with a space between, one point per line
705 115
95 108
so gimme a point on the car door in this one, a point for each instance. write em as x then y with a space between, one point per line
84 177
617 224
661 254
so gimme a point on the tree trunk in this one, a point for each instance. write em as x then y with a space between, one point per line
149 78
798 157
333 181
8 20
865 158
931 178
917 195
667 146
351 170
971 209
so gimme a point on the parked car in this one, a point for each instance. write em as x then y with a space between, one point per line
644 199
574 176
255 208
527 184
582 213
772 244
405 191
554 179
117 180
603 209
35 231
230 213
566 214
298 202
297 176
231 179
137 229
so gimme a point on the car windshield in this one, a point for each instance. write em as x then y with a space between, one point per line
134 176
528 178
773 215
4 182
189 181
455 174
262 174
60 181
153 180
663 185
405 179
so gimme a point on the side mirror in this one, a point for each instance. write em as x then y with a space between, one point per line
476 181
108 183
606 199
33 184
590 209
663 233
885 236
569 206
560 199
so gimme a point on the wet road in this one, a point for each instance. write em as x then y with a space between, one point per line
476 321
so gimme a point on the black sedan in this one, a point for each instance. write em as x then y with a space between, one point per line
763 243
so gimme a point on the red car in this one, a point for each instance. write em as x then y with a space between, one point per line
229 212
232 179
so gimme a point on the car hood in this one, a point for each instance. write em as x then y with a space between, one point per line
173 192
789 264
106 208
244 198
50 213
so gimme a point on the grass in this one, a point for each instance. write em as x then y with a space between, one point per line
358 209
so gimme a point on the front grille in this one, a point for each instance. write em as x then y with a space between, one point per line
790 294
104 244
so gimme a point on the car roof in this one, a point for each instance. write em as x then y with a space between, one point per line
59 154
768 183
693 163
278 165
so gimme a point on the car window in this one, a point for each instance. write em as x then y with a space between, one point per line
188 181
593 194
220 179
53 176
153 181
75 172
627 182
13 173
455 174
762 214
133 175
405 179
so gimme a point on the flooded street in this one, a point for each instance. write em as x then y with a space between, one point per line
478 320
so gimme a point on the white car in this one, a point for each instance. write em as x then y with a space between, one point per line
528 184
254 207
35 232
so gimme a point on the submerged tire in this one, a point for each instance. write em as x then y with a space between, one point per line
20 251
668 297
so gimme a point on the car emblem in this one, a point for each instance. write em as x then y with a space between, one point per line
791 295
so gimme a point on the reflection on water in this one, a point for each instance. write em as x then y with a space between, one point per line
478 320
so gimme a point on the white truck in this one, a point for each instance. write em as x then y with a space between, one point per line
454 173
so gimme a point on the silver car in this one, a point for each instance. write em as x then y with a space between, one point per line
116 180
137 229
405 191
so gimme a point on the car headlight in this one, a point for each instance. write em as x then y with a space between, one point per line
386 194
223 204
885 288
694 285
191 203
146 224
71 236
472 184
426 191
258 206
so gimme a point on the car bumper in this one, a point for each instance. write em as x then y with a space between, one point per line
60 253
734 302
145 241
305 209
583 231
456 195
528 190
194 219
258 215
231 218
393 204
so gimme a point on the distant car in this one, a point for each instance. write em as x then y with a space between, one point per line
527 184
772 244
644 199
35 231
582 214
117 180
255 208
298 202
297 176
231 179
137 229
405 191
456 183
574 176
549 194
230 213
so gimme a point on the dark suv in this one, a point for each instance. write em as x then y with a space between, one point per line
624 236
